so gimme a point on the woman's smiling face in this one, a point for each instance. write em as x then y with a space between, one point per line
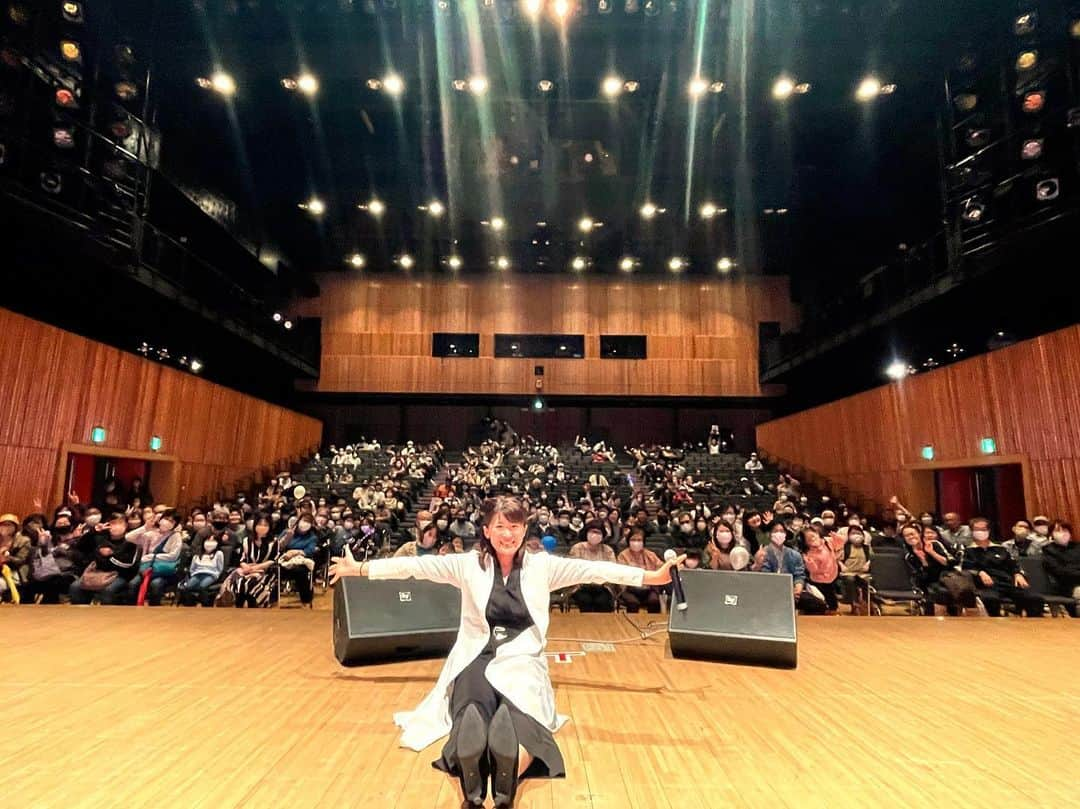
505 536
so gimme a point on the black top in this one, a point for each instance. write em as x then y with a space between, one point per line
506 613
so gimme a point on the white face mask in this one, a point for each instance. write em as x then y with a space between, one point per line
93 519
594 538
1062 537
441 524
856 539
210 546
686 528
723 538
636 545
1042 530
778 538
980 535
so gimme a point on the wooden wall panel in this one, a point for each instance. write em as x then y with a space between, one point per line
702 336
58 386
1023 396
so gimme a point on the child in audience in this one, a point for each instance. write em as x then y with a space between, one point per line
206 569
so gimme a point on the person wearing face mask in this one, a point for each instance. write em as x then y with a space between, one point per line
461 528
686 536
1061 561
296 556
777 557
593 597
206 568
1025 543
822 569
1041 528
160 543
636 554
660 525
253 584
855 570
997 574
717 554
115 563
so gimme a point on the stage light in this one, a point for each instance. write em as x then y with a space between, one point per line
314 206
783 88
802 88
357 260
725 264
406 261
966 102
1048 189
51 182
631 86
545 85
1027 60
868 89
676 263
64 137
697 86
1074 29
70 50
533 8
626 263
538 404
585 224
611 86
497 223
288 325
716 87
1032 149
454 262
707 210
652 8
502 262
443 6
393 84
376 207
1034 102
126 90
588 158
1026 24
460 85
604 7
579 263
220 82
72 11
897 370
66 99
196 365
435 208
478 85
561 8
648 210
973 210
374 84
277 317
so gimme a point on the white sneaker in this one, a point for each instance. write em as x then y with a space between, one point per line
981 607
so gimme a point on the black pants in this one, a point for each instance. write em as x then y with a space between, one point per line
1025 602
828 589
594 598
634 598
49 589
301 578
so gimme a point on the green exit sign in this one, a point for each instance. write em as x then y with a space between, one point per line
155 443
97 435
928 453
988 446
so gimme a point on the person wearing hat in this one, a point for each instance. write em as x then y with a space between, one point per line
113 554
593 597
1040 524
14 557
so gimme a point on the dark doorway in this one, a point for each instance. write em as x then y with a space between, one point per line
86 475
994 492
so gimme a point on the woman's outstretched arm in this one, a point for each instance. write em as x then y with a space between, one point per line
440 569
563 572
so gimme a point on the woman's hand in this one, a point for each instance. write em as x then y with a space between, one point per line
662 575
346 565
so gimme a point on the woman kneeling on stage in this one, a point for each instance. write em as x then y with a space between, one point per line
494 696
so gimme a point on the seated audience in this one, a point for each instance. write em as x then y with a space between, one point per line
1061 560
997 574
254 582
206 569
114 564
593 597
822 569
855 569
637 555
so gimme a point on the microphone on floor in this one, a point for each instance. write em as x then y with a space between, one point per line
676 581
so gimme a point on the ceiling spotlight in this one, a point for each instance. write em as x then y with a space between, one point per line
376 207
374 84
802 88
1047 190
196 365
579 263
70 50
585 224
966 102
357 260
534 7
72 11
716 87
222 83
435 208
497 223
783 88
611 86
393 84
1074 29
697 86
588 158
648 210
66 99
561 8
545 85
972 210
307 84
1032 149
868 89
314 206
708 210
478 85
454 262
287 324
406 261
277 317
1027 60
626 263
896 370
1026 24
676 263
631 86
1034 101
725 264
502 262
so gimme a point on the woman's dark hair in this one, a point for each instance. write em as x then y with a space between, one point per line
262 516
512 510
1062 525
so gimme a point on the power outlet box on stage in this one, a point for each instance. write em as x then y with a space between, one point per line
734 617
383 621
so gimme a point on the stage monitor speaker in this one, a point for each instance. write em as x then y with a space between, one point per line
382 621
736 618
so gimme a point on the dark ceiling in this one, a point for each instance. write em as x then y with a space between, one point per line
854 179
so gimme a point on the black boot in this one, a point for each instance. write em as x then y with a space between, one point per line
503 748
472 757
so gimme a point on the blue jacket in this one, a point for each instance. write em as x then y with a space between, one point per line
303 542
790 561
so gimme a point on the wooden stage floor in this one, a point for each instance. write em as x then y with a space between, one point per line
124 707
